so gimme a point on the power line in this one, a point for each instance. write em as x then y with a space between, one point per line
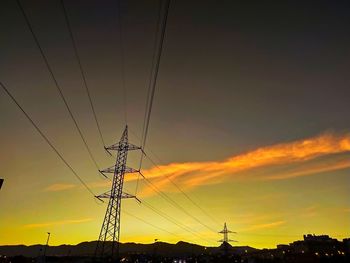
56 83
183 192
168 199
176 185
122 61
172 220
150 78
161 25
46 139
152 85
173 203
155 68
267 235
155 76
81 70
148 223
149 90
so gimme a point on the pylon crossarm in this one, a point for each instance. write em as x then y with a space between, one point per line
99 198
132 147
108 195
104 195
130 170
138 200
141 175
227 231
106 149
107 170
143 152
119 146
113 147
101 172
126 195
112 170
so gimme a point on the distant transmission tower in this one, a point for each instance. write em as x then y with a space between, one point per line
225 231
108 241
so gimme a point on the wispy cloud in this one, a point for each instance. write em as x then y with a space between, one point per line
59 187
265 225
249 218
317 168
99 184
310 211
199 173
56 223
300 153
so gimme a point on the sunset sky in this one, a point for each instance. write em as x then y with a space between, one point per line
250 119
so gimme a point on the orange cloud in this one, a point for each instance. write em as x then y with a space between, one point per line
199 173
193 174
55 223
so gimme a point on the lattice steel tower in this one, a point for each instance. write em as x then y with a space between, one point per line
225 231
108 241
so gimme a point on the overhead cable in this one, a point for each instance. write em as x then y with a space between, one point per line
56 84
47 140
83 75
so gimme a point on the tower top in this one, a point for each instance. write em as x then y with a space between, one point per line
125 134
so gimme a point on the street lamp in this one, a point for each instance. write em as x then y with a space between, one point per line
47 243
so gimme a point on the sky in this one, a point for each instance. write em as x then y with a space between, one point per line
250 119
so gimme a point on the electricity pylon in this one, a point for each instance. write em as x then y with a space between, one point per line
108 241
225 231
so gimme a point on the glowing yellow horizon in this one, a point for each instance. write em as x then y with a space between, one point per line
267 195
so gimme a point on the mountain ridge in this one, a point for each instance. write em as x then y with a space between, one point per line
87 248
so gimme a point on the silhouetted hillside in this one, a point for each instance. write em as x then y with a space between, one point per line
87 249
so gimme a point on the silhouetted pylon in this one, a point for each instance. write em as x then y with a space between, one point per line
108 241
225 232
